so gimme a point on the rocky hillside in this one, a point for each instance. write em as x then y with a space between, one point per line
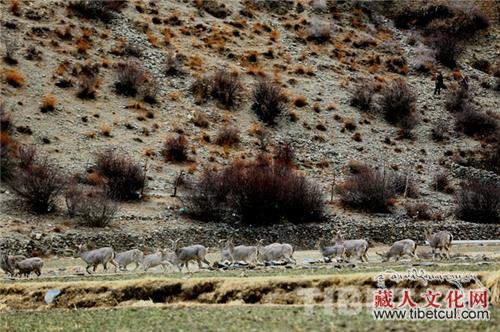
62 62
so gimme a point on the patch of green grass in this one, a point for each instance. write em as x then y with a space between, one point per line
221 318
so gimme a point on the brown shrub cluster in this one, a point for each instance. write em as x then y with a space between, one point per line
448 25
91 207
223 86
175 148
397 104
268 101
373 190
478 202
37 181
125 179
470 119
228 136
132 79
362 95
259 192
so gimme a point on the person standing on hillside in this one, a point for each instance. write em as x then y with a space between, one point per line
464 83
439 84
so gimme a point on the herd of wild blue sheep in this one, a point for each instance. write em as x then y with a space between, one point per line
19 265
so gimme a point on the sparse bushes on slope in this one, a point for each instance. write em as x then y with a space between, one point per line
87 85
367 190
260 192
268 100
38 184
223 86
132 79
6 123
373 190
92 207
447 25
397 104
469 118
226 87
473 122
362 95
479 202
447 48
124 178
175 148
457 98
441 182
228 136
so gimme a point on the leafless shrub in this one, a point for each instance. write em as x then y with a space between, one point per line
87 86
26 155
362 95
440 130
223 86
284 155
200 120
132 49
447 48
403 184
482 65
260 193
125 179
38 185
457 99
374 190
397 103
479 202
175 148
228 136
367 190
7 154
474 122
201 89
95 209
441 182
73 197
268 100
130 78
226 87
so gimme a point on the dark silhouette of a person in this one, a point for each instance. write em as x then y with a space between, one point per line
439 84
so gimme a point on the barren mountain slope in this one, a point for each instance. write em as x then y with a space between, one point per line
278 43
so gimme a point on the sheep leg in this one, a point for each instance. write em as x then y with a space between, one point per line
448 253
206 261
112 261
87 269
105 265
363 257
